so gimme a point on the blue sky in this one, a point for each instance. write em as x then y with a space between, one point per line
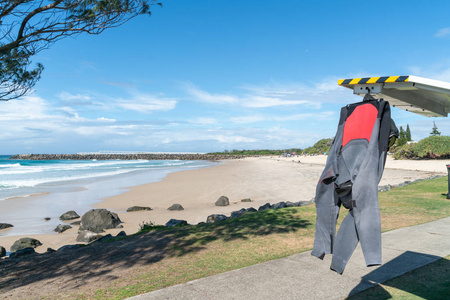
203 76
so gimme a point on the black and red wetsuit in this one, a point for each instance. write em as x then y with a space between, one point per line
353 170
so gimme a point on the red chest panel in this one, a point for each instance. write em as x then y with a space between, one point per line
359 124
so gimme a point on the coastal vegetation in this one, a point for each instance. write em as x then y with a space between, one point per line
432 147
258 152
320 147
404 136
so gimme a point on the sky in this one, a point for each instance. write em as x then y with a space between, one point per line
205 76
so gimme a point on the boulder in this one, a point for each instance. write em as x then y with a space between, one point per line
121 234
69 247
47 219
176 207
279 205
2 251
61 228
25 242
265 206
87 236
138 208
251 209
5 225
290 204
22 252
76 223
238 213
246 200
96 220
215 218
173 223
384 188
70 215
107 237
223 201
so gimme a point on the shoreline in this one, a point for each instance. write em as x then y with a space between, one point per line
123 156
27 212
262 179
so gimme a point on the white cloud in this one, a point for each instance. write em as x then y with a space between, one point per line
34 125
248 119
438 71
203 96
66 96
134 101
103 119
276 95
204 121
443 32
265 101
282 118
146 103
294 120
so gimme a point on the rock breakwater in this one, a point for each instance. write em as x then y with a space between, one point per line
146 156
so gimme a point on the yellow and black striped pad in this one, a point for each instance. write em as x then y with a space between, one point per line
383 79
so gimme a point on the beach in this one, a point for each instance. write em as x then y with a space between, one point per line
261 179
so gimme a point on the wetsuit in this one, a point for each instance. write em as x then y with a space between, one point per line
352 172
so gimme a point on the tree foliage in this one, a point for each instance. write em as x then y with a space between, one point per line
29 26
408 133
320 147
404 136
434 131
258 152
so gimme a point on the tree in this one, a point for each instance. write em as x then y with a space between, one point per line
434 131
402 140
408 133
29 26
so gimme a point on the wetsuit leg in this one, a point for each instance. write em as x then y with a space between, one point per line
327 213
346 240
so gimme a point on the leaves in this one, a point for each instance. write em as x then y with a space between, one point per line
29 26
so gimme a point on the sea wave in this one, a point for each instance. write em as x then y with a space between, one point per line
32 182
29 174
10 169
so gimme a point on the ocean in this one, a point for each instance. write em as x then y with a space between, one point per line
31 190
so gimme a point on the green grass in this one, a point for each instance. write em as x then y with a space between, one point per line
429 282
418 203
208 249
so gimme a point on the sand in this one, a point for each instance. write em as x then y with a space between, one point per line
263 180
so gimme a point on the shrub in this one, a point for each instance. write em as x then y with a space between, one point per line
430 147
320 147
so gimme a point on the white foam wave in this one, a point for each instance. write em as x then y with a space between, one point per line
12 169
9 184
9 165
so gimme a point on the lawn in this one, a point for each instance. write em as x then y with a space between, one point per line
429 282
208 249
